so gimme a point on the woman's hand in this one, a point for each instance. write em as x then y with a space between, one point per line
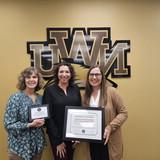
36 123
75 143
107 133
61 150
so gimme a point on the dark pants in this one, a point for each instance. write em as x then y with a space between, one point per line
99 151
69 152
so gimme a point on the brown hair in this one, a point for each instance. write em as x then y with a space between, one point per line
89 89
27 72
71 69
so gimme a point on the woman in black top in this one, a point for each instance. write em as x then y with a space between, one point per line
62 93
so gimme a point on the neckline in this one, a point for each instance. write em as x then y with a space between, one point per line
95 101
30 97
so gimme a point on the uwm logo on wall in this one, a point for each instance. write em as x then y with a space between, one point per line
83 47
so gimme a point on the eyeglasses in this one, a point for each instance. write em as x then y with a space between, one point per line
95 74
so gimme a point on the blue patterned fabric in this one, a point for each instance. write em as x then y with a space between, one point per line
23 141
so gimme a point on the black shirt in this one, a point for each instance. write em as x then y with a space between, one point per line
57 100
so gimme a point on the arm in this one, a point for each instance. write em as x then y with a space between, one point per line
120 108
119 111
52 129
12 123
79 95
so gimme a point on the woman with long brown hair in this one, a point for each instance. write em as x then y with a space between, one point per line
99 94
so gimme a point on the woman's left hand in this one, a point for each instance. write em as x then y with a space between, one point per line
107 133
36 123
75 143
40 122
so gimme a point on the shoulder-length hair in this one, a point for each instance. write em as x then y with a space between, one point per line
27 72
89 89
71 69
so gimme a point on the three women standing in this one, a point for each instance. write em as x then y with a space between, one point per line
26 139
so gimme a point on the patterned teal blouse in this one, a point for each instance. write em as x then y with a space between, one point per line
23 141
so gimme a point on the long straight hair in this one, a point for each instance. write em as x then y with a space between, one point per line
89 89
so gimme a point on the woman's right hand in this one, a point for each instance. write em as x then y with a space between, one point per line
61 150
36 123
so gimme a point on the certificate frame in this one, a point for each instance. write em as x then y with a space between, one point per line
84 124
38 112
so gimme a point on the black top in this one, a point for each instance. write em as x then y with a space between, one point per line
57 100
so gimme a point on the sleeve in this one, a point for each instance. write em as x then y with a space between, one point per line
79 96
12 122
121 111
51 127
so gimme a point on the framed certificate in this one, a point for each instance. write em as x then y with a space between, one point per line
38 111
84 123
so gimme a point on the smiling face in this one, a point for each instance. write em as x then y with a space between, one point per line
31 81
95 77
64 75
